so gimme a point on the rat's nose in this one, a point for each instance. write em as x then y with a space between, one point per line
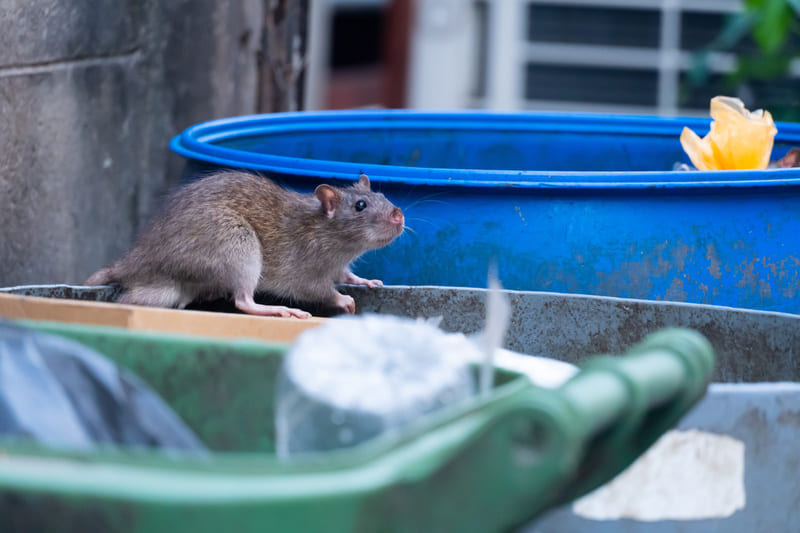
396 217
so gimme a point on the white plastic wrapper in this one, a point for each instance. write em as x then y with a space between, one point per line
356 378
359 377
541 371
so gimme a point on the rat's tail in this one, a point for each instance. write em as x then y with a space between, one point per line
104 276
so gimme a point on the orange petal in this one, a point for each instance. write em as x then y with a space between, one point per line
738 139
698 150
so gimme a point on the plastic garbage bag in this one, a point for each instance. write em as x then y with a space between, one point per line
738 139
359 377
355 378
62 394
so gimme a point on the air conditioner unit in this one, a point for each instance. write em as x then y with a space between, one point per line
624 56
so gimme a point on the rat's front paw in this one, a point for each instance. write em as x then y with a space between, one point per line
352 279
345 303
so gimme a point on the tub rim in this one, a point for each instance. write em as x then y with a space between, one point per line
196 143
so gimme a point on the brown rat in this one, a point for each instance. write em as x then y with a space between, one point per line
234 233
790 160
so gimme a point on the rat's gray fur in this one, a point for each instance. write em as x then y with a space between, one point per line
234 233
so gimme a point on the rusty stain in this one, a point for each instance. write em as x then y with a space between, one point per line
676 290
685 272
713 261
764 289
680 252
749 277
519 212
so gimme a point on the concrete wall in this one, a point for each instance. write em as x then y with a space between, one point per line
90 94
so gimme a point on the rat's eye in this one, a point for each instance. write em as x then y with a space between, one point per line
361 205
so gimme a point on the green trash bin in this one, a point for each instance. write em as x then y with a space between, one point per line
492 463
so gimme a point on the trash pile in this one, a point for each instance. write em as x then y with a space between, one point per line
64 395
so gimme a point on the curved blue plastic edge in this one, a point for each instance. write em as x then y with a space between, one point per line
197 143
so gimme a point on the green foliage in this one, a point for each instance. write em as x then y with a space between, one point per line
774 27
772 23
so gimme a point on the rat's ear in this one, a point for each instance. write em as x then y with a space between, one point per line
329 198
363 182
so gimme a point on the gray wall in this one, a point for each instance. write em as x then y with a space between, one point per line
90 94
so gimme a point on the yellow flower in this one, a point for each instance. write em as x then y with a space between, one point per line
738 139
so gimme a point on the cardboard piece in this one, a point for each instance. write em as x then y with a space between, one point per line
13 306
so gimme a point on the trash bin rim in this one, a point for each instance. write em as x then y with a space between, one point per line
197 143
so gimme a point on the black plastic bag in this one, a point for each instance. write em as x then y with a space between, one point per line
62 394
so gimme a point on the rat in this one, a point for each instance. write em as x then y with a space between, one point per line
233 233
790 160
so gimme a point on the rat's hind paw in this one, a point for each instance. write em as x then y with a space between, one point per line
345 303
249 306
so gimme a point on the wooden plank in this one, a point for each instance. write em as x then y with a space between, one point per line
206 323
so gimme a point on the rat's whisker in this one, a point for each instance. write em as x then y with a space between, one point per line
426 199
409 228
437 226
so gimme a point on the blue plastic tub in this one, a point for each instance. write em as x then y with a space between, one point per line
567 203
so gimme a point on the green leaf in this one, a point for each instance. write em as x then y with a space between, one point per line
795 4
772 27
763 68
